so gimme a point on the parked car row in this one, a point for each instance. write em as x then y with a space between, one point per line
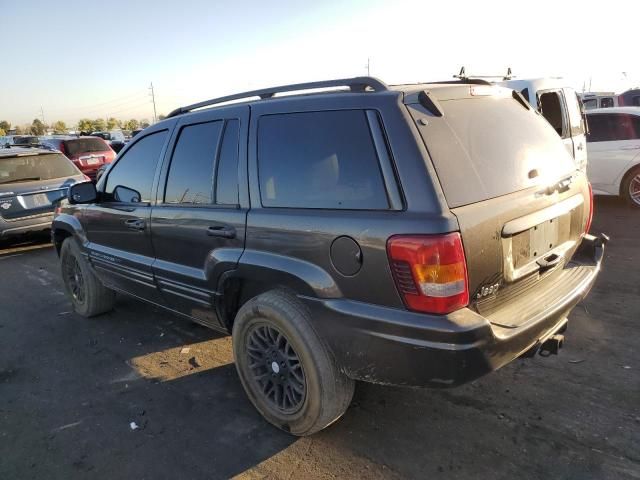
419 235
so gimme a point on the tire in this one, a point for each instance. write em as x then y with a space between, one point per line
631 182
88 296
263 328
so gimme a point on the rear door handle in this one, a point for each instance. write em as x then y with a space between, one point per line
221 231
135 224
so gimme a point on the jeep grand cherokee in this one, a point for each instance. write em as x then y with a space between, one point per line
417 235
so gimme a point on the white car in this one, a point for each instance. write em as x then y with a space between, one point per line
613 146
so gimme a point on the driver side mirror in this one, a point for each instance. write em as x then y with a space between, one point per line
84 192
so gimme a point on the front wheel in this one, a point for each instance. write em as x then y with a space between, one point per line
631 187
284 367
88 296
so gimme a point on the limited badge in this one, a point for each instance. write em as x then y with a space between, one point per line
5 206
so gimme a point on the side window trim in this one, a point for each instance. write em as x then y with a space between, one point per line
227 122
384 161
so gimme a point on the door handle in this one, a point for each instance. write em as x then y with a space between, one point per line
135 224
221 231
635 147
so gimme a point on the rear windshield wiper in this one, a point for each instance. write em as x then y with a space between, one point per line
25 179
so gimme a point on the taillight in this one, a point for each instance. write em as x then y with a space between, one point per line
590 217
430 271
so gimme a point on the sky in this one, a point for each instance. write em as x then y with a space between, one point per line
74 59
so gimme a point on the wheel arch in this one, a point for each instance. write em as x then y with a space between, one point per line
259 272
65 226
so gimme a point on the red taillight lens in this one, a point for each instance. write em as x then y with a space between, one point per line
590 217
430 271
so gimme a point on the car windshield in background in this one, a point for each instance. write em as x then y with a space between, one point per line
35 167
25 140
85 145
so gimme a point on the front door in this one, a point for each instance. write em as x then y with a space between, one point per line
198 223
118 226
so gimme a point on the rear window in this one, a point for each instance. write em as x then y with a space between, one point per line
35 167
319 160
85 145
485 147
25 140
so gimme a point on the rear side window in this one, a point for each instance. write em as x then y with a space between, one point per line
552 108
319 160
135 170
191 172
613 126
84 145
606 102
590 103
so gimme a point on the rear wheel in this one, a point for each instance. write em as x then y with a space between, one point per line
287 372
631 187
88 296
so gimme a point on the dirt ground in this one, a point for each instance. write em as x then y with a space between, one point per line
72 389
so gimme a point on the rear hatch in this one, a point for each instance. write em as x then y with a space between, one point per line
521 204
31 184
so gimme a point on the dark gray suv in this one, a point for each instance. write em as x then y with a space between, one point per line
418 235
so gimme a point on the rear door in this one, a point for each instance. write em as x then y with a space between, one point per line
118 227
520 202
198 223
614 143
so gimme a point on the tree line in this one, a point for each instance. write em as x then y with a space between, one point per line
87 125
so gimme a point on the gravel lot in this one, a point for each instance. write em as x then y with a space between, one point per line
70 389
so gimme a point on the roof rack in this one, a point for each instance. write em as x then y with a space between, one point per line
462 75
356 84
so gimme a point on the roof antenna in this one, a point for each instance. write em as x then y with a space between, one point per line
462 75
509 75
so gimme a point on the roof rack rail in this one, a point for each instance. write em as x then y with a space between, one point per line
356 84
462 75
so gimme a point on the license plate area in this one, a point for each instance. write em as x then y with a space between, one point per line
526 249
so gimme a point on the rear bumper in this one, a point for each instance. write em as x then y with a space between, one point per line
392 346
21 226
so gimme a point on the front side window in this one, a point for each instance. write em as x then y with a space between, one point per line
136 169
190 177
319 160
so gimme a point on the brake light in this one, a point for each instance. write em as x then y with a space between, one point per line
430 271
590 217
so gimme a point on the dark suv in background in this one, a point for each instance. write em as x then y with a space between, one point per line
418 235
87 153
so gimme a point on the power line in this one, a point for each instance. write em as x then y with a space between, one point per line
153 99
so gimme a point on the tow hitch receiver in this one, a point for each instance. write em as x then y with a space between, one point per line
552 345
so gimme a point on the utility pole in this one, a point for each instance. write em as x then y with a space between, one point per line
368 66
42 114
153 99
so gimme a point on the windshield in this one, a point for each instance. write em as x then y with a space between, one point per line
486 147
85 145
35 167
